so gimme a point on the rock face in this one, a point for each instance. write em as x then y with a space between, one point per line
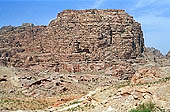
75 38
18 40
168 55
99 34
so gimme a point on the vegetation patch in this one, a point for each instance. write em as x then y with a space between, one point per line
122 84
75 102
23 104
145 107
81 108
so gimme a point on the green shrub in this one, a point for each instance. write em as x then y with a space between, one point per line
148 107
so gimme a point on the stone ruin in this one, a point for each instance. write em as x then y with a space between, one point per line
77 40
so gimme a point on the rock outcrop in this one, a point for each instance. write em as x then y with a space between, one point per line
168 55
153 53
74 41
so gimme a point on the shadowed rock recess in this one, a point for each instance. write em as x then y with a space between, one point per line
77 40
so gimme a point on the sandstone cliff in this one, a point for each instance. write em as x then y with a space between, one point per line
74 38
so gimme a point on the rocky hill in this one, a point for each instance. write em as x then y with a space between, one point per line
73 39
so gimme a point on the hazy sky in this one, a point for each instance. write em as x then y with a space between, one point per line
154 15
